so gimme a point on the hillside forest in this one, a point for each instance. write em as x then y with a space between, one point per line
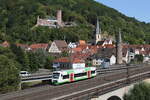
18 18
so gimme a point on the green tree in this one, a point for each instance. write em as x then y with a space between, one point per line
42 57
33 61
64 54
139 92
139 58
9 74
18 19
21 57
49 62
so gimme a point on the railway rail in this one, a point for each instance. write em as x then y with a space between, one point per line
48 76
62 91
101 89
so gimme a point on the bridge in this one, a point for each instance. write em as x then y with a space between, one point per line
118 93
95 88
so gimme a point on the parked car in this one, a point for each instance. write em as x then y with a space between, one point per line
24 73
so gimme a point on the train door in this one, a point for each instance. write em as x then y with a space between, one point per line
71 77
89 74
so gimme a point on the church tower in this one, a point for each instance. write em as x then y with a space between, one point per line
119 48
98 36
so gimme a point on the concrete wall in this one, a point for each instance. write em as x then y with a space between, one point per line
119 93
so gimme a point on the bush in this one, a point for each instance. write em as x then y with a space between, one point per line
139 92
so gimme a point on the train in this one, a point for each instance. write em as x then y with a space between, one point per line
66 76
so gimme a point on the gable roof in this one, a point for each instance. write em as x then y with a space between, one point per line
60 43
106 52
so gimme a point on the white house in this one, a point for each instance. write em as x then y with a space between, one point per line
105 42
125 55
97 62
68 63
112 60
72 45
58 46
102 54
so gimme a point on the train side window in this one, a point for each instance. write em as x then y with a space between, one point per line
65 76
80 74
93 72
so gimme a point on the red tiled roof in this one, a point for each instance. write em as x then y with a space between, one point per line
82 46
77 49
76 60
39 46
5 44
68 59
82 42
22 45
63 59
109 46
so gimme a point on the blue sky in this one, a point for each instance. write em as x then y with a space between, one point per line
140 9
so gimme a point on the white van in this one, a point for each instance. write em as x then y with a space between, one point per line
24 73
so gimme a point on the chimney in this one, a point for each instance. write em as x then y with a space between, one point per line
59 17
119 48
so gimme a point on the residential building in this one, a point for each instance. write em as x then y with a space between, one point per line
22 46
38 46
72 45
105 42
58 46
5 44
68 63
102 54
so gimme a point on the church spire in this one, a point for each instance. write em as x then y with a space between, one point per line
98 36
98 29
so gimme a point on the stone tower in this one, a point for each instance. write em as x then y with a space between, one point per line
119 48
98 36
59 17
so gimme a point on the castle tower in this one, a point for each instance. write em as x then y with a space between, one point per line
98 36
119 48
59 17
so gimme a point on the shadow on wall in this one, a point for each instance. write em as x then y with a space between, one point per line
114 98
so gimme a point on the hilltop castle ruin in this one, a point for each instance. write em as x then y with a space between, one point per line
54 23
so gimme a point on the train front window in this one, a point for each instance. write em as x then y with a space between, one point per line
56 75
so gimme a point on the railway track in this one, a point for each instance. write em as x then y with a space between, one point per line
48 76
52 92
101 89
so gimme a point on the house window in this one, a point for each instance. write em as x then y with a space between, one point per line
96 63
